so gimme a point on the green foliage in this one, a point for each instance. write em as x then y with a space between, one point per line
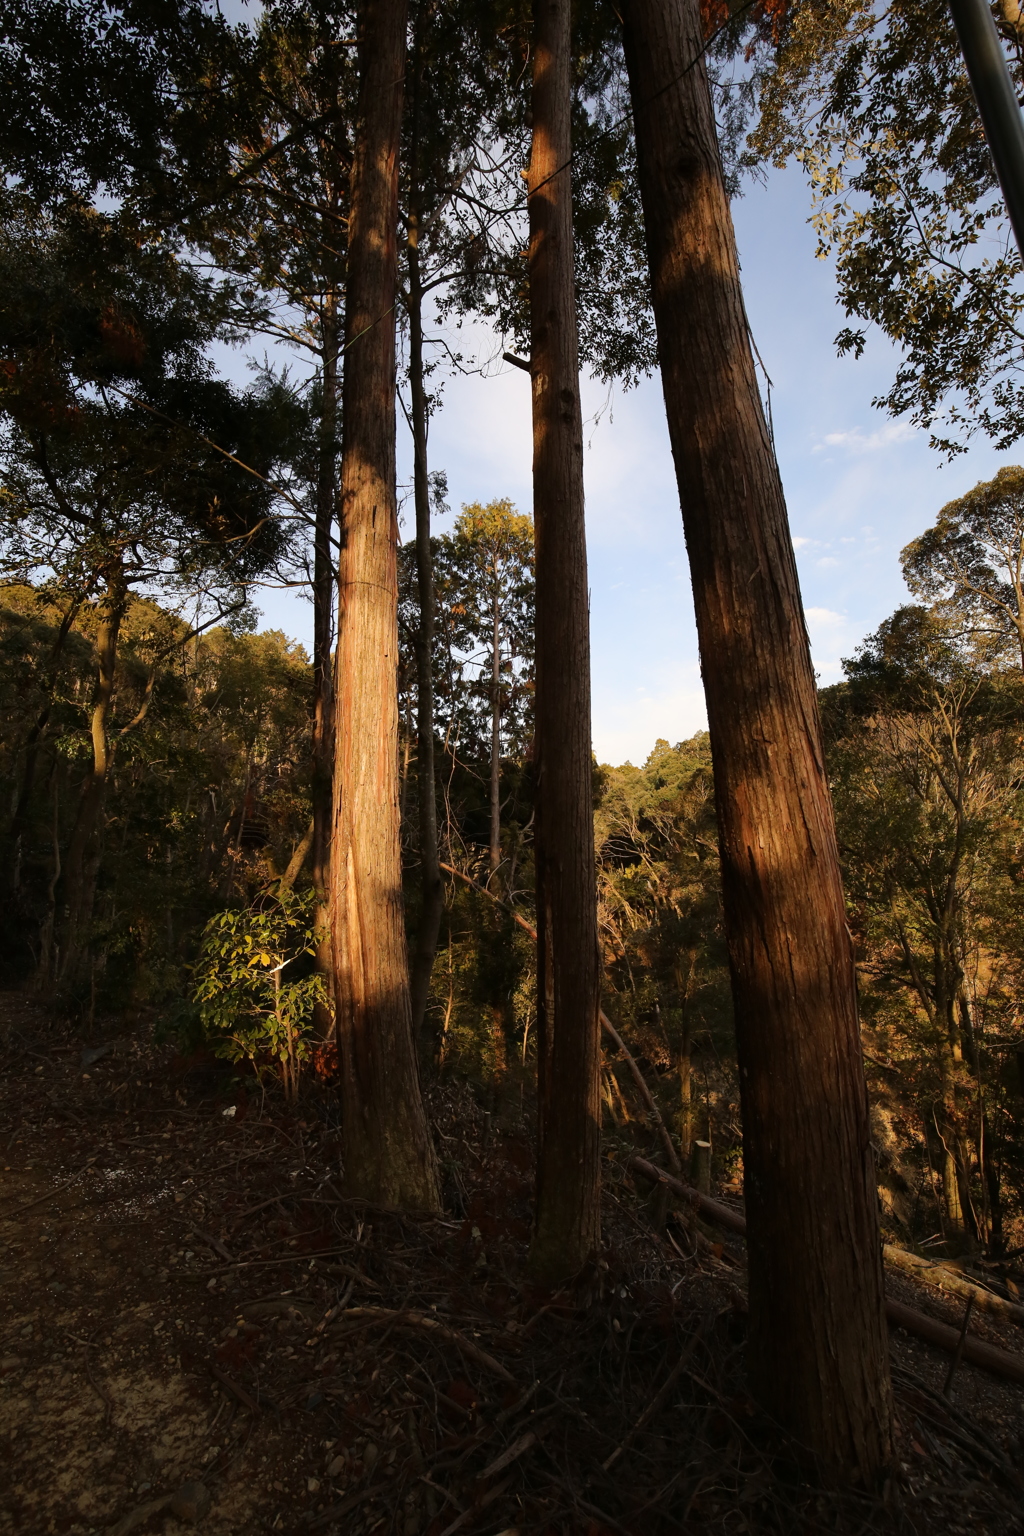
208 793
970 564
253 998
925 759
485 579
666 977
483 574
88 86
875 104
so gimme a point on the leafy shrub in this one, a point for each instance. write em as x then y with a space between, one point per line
255 987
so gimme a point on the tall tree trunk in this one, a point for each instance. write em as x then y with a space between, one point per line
81 864
431 887
323 633
388 1154
494 857
818 1351
568 1215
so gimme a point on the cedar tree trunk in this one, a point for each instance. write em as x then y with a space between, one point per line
494 858
387 1150
323 628
818 1351
431 888
568 1215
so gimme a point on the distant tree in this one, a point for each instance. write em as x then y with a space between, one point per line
660 912
971 563
256 171
925 767
451 185
206 799
488 582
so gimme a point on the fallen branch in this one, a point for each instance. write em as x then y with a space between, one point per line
948 1280
226 1269
101 1391
234 1388
51 1194
606 1023
712 1210
331 1313
350 1273
998 1362
405 1319
335 1512
212 1242
515 1450
294 1308
478 1504
661 1396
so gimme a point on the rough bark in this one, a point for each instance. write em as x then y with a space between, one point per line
431 886
388 1155
817 1352
567 1226
1000 1362
323 670
494 852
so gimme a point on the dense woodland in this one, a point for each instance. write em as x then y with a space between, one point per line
392 863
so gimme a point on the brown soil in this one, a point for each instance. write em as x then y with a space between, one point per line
187 1297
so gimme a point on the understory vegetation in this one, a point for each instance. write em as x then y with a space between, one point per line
201 905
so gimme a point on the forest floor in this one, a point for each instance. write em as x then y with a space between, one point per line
196 1326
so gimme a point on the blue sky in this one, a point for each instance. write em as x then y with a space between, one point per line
858 485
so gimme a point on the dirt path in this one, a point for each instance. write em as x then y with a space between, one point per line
111 1326
195 1326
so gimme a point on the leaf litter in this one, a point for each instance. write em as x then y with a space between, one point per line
197 1328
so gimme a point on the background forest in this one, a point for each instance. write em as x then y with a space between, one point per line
206 834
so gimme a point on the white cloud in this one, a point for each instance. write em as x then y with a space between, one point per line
827 563
824 618
625 729
870 442
800 543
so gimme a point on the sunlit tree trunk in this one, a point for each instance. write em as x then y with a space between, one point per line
567 1226
388 1154
431 888
323 662
818 1351
494 855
